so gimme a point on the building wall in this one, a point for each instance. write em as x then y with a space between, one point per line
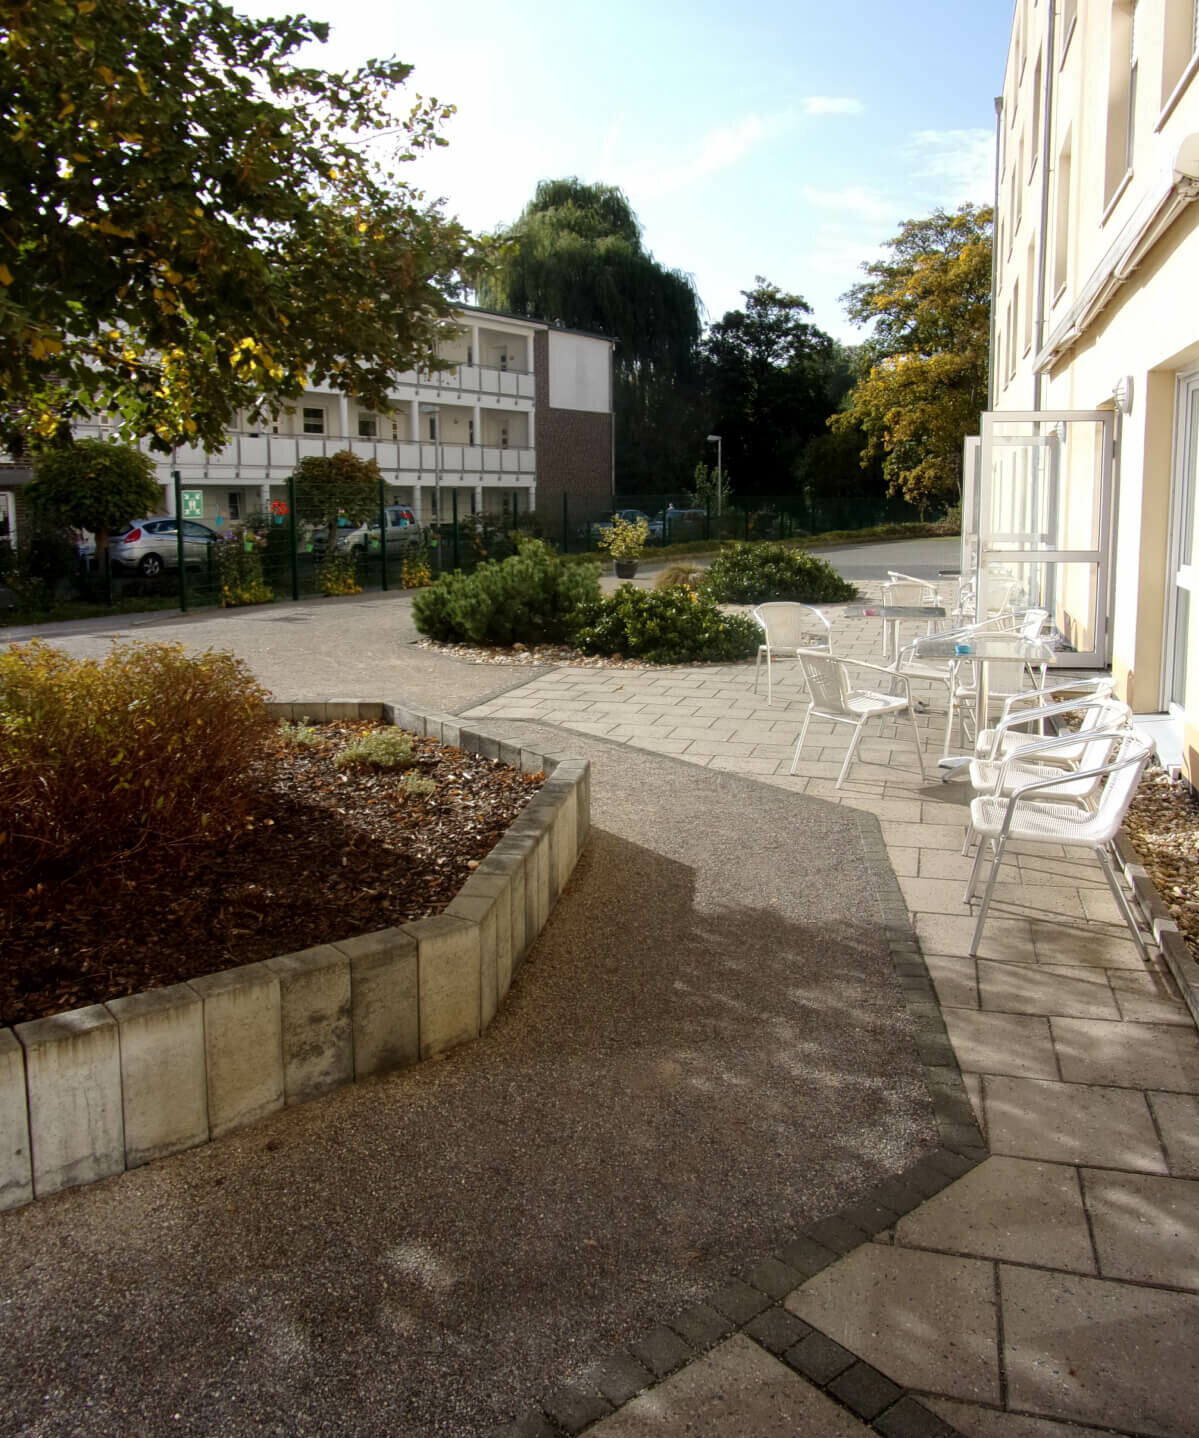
1118 235
574 445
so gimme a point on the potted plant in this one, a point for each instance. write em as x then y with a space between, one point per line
625 541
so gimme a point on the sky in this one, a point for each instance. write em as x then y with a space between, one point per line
788 140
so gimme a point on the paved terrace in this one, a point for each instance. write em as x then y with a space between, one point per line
1051 1291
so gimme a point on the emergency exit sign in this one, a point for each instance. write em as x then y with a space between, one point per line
193 503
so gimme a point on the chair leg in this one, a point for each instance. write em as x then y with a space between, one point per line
803 734
758 669
916 737
853 744
769 677
1121 902
968 840
974 872
1000 845
948 722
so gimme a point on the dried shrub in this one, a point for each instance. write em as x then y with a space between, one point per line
100 759
687 576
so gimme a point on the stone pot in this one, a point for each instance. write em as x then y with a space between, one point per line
625 568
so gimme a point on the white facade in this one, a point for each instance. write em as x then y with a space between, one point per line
1096 296
471 429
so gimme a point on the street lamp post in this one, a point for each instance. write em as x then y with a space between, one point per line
435 411
715 439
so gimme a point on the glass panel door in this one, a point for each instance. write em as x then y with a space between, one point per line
1044 523
971 479
1184 567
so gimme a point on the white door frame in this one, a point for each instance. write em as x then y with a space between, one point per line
1184 499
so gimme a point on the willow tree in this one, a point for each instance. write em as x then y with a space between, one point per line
923 375
575 257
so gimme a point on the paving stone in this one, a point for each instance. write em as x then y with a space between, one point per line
702 1326
818 1357
807 1256
775 1278
1071 1123
1008 939
884 1302
661 1350
997 1043
870 1217
1007 1208
895 1194
573 1409
619 1377
737 1389
1021 989
777 1330
974 1421
1157 1056
1095 1351
865 1390
739 1301
1146 1227
837 1234
909 1419
1148 998
532 1425
1084 945
1177 1117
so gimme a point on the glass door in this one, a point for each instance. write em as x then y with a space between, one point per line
1044 523
971 480
1184 566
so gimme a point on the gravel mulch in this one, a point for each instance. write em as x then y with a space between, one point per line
1163 823
328 852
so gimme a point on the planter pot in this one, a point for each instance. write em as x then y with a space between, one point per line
625 568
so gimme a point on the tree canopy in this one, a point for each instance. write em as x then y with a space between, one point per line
191 223
329 485
924 369
94 485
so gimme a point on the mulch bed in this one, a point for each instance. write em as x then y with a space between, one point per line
327 853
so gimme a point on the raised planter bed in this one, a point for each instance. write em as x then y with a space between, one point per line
88 1093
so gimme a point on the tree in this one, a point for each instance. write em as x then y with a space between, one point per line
192 224
924 378
575 258
335 485
769 379
93 485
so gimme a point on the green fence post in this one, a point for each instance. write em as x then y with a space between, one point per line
291 529
383 533
177 479
454 521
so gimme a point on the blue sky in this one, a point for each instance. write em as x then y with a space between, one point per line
766 138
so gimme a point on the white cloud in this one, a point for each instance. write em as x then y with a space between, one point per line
832 105
854 200
720 149
961 163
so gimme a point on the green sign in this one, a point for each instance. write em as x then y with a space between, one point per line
193 503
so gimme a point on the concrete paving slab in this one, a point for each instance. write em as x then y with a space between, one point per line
1154 1056
1146 1227
955 980
1177 1116
736 1388
1023 989
1071 1123
997 1043
1084 945
884 1303
1148 998
1092 1351
1007 939
974 1421
1007 1208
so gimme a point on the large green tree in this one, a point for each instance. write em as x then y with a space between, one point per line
770 378
575 257
93 485
192 223
924 372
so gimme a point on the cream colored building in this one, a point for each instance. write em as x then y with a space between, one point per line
1086 467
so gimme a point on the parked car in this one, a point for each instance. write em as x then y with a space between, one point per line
148 546
676 524
403 534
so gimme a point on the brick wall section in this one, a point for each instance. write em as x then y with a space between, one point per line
13 483
574 449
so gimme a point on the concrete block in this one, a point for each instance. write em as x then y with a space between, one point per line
451 731
510 753
499 888
486 899
279 709
370 709
73 1076
480 911
404 718
314 1006
532 761
16 1171
341 709
164 1088
449 967
485 744
243 1046
565 836
384 1000
432 729
508 862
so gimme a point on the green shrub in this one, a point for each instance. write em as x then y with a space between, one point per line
239 570
531 598
756 573
99 759
301 735
690 576
384 749
418 786
665 626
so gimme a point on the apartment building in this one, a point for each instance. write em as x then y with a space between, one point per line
1084 473
523 413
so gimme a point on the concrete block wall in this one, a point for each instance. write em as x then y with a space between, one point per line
89 1093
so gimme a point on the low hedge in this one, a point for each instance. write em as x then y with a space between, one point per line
665 626
757 573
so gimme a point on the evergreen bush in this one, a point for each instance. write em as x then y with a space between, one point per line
758 573
665 626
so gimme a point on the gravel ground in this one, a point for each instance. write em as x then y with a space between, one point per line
1163 823
706 1050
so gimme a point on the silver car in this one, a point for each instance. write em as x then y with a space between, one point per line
149 546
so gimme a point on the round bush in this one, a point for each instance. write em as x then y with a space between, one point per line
665 626
757 573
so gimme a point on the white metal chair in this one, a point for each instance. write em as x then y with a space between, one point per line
1006 680
833 698
788 627
1033 814
908 592
1037 761
1099 710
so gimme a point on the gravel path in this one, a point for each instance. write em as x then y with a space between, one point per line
705 1051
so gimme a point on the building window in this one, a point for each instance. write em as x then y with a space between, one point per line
1036 117
1029 294
470 431
1180 42
367 427
1013 326
1069 15
1121 97
314 421
503 436
432 418
1061 228
233 503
